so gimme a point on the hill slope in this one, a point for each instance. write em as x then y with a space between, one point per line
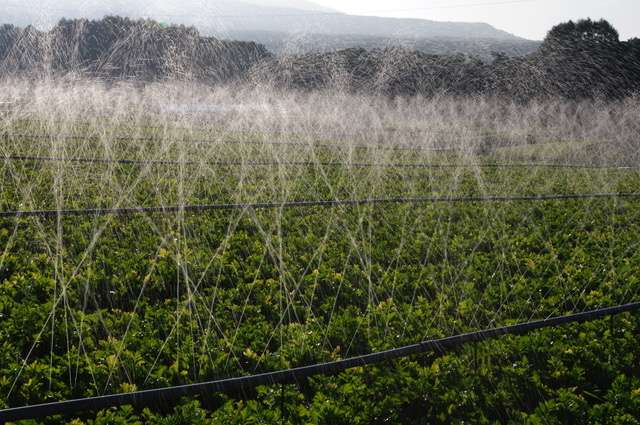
281 24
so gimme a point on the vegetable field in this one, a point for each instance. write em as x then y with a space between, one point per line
145 250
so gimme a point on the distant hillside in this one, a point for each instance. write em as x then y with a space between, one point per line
338 24
287 44
284 25
117 47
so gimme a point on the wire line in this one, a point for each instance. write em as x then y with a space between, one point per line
251 163
308 204
294 375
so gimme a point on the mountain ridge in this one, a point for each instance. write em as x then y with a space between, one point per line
223 18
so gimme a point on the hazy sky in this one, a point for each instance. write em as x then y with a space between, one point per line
530 19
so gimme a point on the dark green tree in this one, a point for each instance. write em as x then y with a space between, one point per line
584 59
585 34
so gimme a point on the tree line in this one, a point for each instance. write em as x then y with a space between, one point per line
584 59
121 48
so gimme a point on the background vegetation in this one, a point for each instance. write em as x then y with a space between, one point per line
577 60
